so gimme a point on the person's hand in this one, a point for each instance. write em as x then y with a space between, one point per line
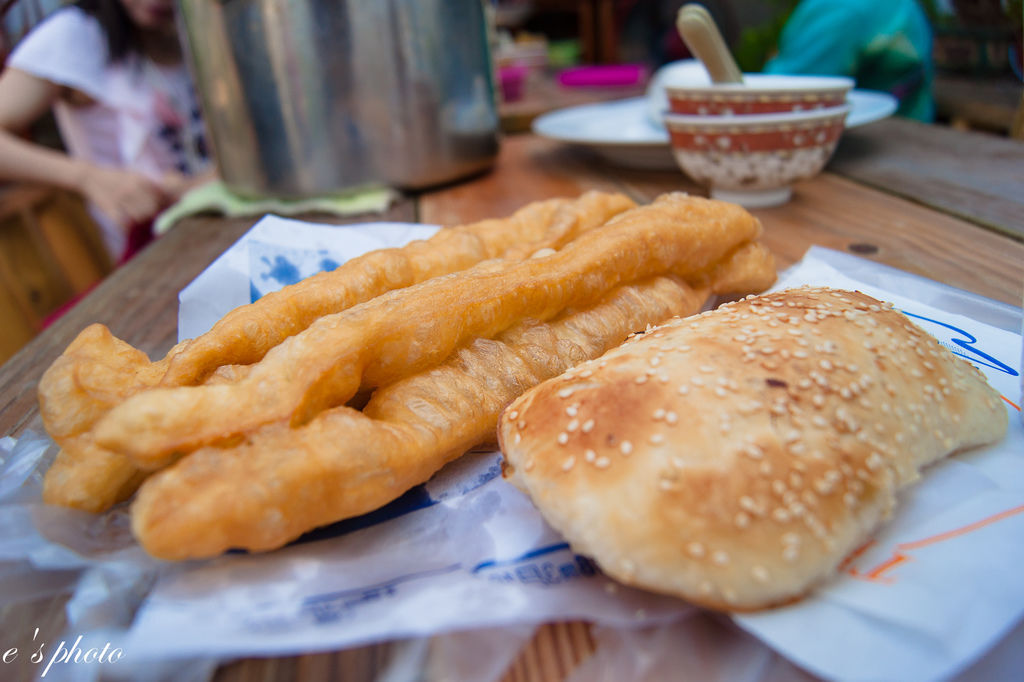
127 197
176 184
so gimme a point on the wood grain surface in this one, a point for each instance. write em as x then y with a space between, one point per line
139 303
971 175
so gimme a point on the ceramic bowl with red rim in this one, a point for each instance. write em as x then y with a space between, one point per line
692 94
754 160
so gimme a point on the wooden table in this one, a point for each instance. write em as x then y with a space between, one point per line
985 102
867 213
975 176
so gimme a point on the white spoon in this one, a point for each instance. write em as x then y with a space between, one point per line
701 35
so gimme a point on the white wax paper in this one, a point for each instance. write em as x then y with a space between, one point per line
467 562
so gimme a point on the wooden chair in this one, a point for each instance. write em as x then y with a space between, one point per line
50 253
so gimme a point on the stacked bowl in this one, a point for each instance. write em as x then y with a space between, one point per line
749 142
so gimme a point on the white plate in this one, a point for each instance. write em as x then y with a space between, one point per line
620 131
623 133
869 106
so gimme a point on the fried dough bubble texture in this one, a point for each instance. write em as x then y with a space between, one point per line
97 371
259 447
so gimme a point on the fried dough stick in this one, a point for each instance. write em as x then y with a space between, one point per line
84 475
406 331
98 370
245 334
242 337
284 481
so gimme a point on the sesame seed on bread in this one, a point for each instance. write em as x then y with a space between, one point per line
735 458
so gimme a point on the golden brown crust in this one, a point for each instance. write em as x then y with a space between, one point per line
244 335
735 458
95 372
98 371
283 481
87 477
447 354
400 333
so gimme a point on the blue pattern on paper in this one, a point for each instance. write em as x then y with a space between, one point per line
333 606
282 270
964 345
273 267
544 566
532 554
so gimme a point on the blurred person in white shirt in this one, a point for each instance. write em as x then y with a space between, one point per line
113 73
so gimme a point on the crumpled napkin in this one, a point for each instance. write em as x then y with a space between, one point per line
214 196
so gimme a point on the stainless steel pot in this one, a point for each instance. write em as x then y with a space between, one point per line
308 97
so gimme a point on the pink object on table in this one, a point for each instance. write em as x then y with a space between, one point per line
512 79
603 76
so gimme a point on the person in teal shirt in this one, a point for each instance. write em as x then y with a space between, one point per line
882 44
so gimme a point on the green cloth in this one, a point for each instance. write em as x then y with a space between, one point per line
215 197
882 44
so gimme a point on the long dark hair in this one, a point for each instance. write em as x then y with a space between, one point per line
122 35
